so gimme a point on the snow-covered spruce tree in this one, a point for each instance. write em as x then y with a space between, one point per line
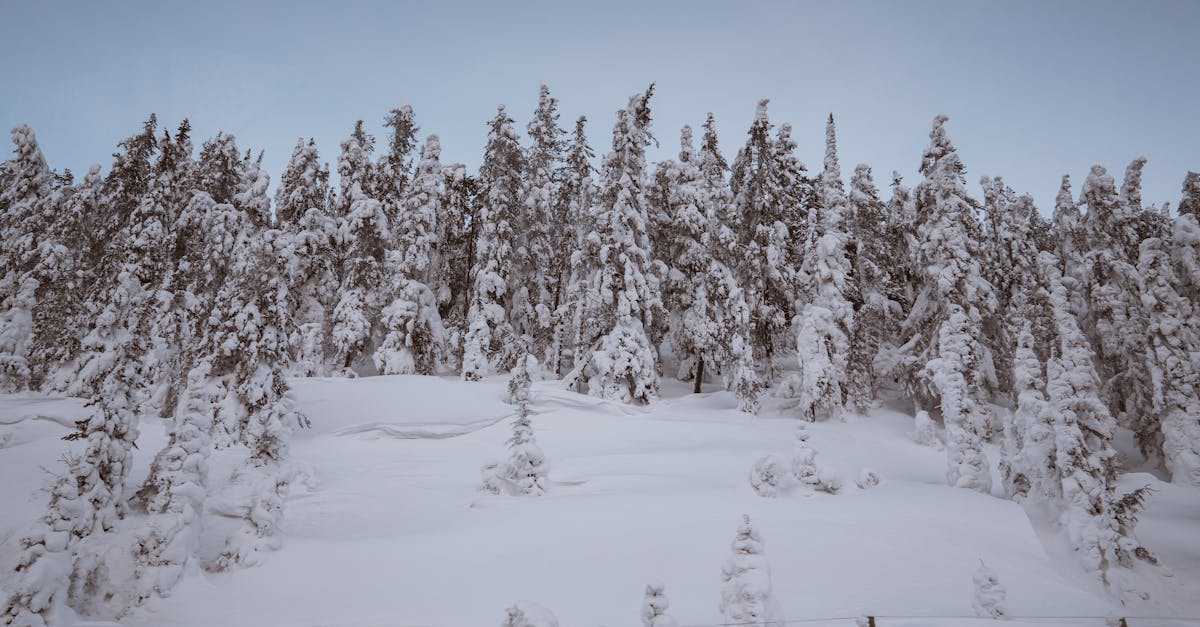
1099 524
529 614
1174 375
576 201
60 560
1112 316
1027 461
26 190
394 170
619 360
62 274
527 466
362 238
765 269
747 597
159 219
458 231
302 211
989 594
823 342
251 353
797 193
414 337
175 491
490 342
676 230
654 608
707 316
1190 203
725 297
878 297
1070 238
1012 250
943 363
535 295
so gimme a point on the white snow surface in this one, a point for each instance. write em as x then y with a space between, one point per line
394 531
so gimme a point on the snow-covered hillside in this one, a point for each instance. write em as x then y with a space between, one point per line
393 530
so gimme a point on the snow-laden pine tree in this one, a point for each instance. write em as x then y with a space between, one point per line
747 596
63 272
708 316
527 466
1070 238
302 211
619 359
677 231
577 198
727 306
490 343
414 338
797 193
1098 523
394 169
175 490
27 188
1190 203
943 362
250 353
362 238
1172 341
654 608
458 232
1112 315
825 324
162 241
1011 252
878 295
1029 435
539 222
765 269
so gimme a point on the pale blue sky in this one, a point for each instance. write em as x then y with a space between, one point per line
1034 89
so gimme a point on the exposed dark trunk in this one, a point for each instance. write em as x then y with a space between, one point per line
699 375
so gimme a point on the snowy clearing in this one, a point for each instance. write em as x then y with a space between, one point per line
395 532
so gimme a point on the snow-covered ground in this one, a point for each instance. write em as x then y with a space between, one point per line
394 531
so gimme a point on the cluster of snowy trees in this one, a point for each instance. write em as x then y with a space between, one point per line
174 285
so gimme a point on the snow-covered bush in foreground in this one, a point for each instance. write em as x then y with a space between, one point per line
925 431
747 597
989 594
528 614
868 478
654 608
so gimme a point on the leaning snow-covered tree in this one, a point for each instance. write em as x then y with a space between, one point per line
624 308
1099 524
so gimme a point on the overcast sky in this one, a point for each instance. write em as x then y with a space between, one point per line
1034 90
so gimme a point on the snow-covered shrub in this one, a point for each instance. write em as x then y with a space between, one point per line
828 480
528 614
654 608
925 431
868 478
768 474
989 594
747 596
789 387
494 478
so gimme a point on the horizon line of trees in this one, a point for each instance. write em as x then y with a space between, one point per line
174 285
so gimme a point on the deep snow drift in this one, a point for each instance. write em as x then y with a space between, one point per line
393 530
